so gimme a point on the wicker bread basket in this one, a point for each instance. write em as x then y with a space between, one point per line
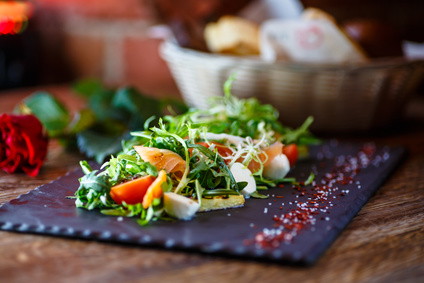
354 97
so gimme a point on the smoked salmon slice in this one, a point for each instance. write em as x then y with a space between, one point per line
266 156
165 159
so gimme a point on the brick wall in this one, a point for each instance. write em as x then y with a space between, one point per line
110 39
106 39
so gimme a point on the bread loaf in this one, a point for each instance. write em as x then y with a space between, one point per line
232 35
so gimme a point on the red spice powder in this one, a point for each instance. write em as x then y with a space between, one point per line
318 199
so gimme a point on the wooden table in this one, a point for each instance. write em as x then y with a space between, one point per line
384 242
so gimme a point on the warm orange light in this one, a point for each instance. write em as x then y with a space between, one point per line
14 16
18 26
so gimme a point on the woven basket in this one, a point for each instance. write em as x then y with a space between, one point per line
354 97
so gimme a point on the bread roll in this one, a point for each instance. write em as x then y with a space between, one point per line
317 14
232 35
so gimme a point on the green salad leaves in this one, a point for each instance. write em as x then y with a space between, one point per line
209 143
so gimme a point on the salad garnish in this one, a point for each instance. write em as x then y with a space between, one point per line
198 161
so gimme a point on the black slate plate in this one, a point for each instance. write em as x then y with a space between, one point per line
46 210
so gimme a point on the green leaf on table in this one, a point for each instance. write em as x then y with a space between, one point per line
82 120
101 104
88 87
115 113
138 107
51 113
99 98
99 144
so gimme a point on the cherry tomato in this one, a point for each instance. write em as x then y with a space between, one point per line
292 153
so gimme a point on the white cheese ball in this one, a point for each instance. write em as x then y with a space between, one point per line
242 174
277 168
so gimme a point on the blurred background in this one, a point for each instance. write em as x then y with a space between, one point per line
59 41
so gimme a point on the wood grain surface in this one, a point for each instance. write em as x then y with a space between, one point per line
384 242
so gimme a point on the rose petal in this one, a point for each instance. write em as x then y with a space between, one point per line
32 171
23 144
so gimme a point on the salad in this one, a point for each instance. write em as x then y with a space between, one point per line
198 161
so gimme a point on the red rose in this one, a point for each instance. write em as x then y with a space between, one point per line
23 144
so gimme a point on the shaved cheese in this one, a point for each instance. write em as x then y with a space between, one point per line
180 206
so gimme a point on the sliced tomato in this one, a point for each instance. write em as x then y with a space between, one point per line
292 153
223 150
132 192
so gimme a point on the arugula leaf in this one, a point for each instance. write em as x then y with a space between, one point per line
93 191
219 161
199 191
294 136
126 210
86 168
219 192
310 179
273 183
255 194
147 216
127 166
241 185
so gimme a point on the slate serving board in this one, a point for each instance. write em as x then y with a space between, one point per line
46 210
